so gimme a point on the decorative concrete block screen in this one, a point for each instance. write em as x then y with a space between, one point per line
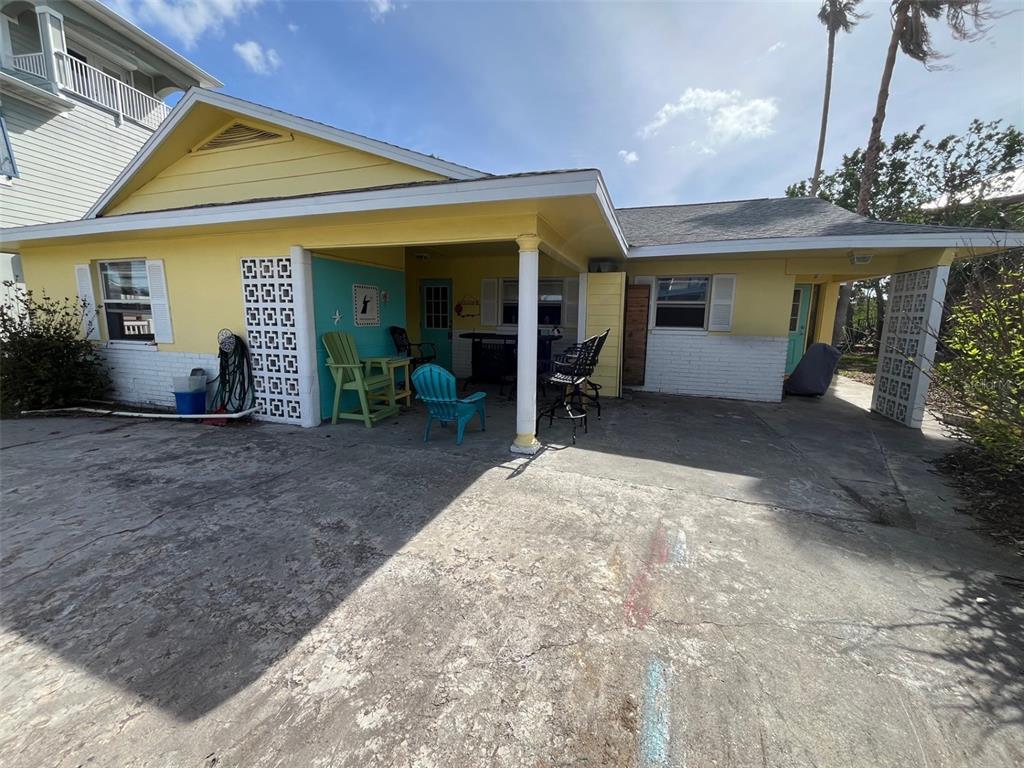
908 344
269 291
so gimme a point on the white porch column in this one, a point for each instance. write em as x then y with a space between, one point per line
526 371
305 333
51 40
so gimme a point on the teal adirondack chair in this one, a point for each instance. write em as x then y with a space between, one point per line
376 390
436 387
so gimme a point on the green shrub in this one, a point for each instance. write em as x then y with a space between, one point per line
44 360
982 371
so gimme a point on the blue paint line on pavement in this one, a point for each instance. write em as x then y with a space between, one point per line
654 733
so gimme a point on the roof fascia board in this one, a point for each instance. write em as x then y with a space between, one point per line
578 183
995 238
604 200
265 114
141 37
16 88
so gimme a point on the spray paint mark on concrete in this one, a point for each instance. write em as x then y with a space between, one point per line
654 725
637 604
680 554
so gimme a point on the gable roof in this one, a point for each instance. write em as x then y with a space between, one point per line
759 219
197 98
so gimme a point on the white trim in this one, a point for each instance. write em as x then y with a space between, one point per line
151 44
604 199
305 332
282 119
581 307
577 183
993 238
16 88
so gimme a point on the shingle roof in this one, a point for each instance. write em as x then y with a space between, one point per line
755 219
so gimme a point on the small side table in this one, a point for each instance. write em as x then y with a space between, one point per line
402 363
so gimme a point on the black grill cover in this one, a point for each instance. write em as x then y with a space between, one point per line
813 374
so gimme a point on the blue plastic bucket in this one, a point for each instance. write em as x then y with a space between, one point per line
190 403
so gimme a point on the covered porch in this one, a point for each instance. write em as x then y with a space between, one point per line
442 279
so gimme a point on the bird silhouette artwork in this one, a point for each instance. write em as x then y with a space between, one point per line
366 304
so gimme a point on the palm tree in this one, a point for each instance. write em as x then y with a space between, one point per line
910 33
967 21
836 15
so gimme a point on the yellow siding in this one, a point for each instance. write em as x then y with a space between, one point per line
466 272
298 166
764 292
606 296
203 272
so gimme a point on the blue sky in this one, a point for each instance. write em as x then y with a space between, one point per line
674 102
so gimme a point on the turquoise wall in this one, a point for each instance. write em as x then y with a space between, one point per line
332 291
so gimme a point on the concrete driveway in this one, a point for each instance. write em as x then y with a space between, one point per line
696 583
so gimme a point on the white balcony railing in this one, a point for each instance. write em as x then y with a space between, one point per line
33 63
99 87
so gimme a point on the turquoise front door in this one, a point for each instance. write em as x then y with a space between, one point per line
798 316
436 318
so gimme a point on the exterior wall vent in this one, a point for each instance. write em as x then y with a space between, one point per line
238 134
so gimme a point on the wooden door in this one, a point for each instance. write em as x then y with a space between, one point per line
634 361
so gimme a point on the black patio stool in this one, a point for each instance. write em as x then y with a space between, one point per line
590 390
569 377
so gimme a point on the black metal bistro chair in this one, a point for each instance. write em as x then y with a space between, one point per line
406 348
570 376
590 390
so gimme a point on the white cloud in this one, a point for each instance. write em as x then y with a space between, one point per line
187 20
746 120
777 46
694 100
728 116
293 27
381 8
258 59
628 156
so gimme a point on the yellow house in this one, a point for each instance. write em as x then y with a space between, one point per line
238 216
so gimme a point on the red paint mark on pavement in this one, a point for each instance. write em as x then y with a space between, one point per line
637 604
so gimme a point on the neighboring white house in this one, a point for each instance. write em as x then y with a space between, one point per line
81 90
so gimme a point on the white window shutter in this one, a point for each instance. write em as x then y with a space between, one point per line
571 301
650 281
723 291
489 301
90 318
159 303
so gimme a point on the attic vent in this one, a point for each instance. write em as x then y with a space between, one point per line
237 134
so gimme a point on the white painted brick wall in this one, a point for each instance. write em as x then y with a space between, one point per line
734 367
143 375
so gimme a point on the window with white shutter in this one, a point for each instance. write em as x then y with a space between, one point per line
489 301
90 319
723 292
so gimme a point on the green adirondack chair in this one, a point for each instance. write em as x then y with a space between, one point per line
376 389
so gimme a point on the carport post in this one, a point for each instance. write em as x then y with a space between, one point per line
305 333
526 367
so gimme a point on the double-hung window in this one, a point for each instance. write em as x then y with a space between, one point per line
682 302
550 295
126 301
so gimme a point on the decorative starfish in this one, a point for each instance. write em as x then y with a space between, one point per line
337 316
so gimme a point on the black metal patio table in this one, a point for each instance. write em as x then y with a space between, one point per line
494 358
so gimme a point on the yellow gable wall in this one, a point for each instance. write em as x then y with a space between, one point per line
298 165
764 292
